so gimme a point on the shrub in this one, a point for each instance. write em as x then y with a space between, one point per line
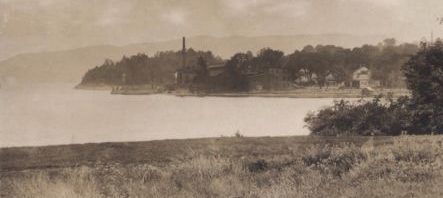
258 166
336 159
377 117
238 134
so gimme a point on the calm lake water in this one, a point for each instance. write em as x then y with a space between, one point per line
54 115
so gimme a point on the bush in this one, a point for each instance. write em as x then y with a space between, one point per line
377 117
336 159
258 166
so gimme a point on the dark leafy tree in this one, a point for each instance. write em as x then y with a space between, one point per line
201 80
202 68
234 80
267 58
424 73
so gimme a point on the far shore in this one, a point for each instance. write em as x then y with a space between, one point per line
98 87
308 92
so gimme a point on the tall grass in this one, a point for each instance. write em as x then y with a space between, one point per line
75 183
410 167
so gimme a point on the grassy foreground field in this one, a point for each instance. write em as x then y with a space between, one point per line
409 166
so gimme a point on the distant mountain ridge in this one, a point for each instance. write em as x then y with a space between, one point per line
68 66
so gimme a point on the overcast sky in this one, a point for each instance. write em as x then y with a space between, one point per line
34 25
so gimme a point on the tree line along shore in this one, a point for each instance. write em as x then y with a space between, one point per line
327 67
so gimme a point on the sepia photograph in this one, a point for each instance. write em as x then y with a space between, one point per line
221 98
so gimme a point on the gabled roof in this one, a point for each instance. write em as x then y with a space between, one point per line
330 77
363 73
361 69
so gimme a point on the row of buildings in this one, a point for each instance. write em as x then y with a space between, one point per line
275 78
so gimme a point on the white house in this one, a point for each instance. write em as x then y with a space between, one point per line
361 77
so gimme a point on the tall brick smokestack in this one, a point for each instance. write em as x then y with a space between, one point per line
184 53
